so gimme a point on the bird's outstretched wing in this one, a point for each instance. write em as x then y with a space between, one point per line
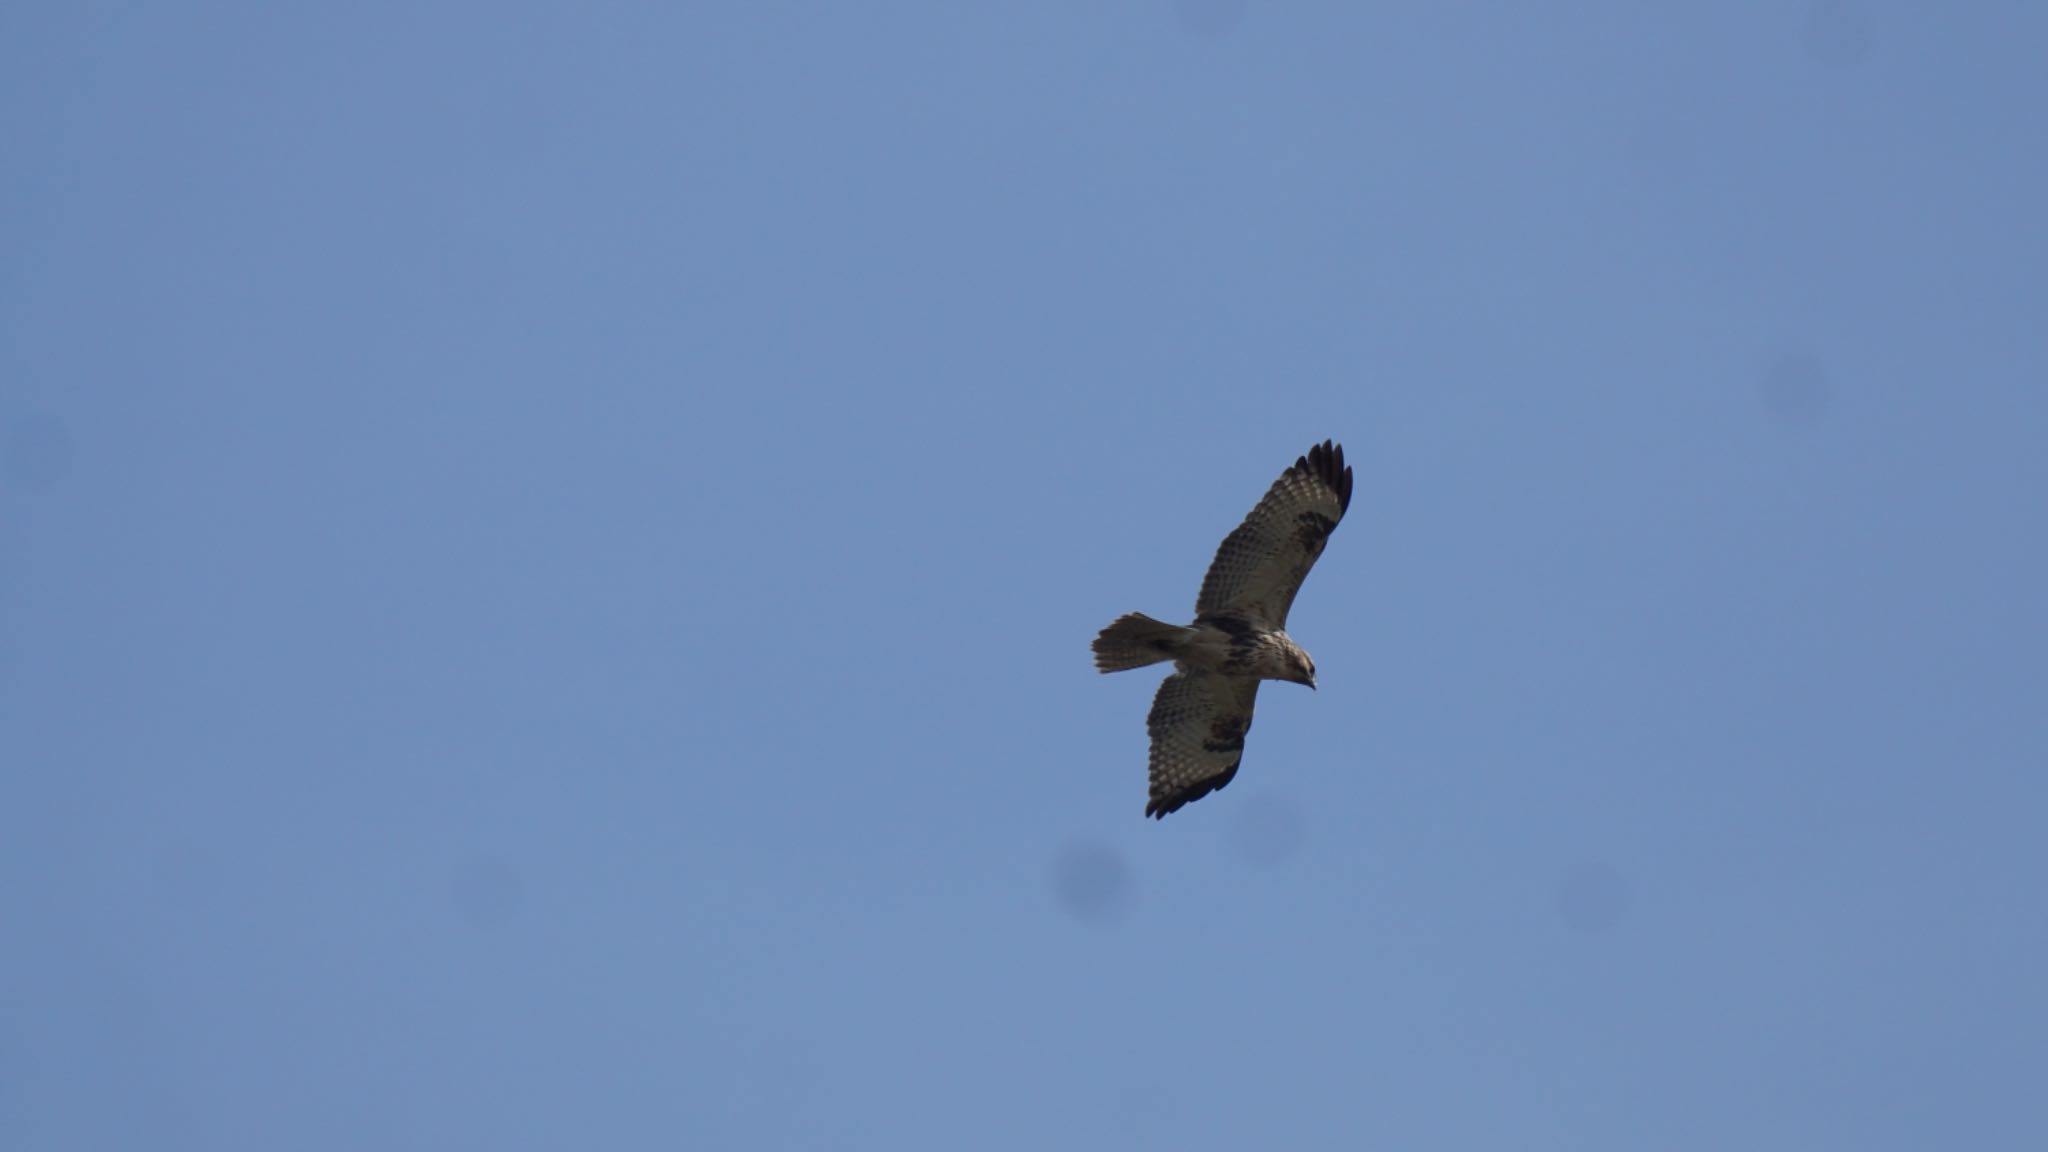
1260 565
1198 722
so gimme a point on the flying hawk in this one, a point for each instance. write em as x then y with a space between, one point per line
1239 637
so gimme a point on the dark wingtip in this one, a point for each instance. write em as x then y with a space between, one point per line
1159 806
1325 462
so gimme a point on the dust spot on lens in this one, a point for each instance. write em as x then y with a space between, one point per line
1091 882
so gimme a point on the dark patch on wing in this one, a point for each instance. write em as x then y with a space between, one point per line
1312 529
1227 734
1227 624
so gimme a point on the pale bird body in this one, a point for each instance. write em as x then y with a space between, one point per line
1238 638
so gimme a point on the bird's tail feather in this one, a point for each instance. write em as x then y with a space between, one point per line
1136 640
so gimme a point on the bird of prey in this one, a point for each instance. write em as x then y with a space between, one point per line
1239 636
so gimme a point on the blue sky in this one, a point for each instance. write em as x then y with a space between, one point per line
547 559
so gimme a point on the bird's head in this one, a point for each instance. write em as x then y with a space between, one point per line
1300 669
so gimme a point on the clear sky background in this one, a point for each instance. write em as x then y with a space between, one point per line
547 558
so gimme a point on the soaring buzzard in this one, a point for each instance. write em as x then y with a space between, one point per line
1239 636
